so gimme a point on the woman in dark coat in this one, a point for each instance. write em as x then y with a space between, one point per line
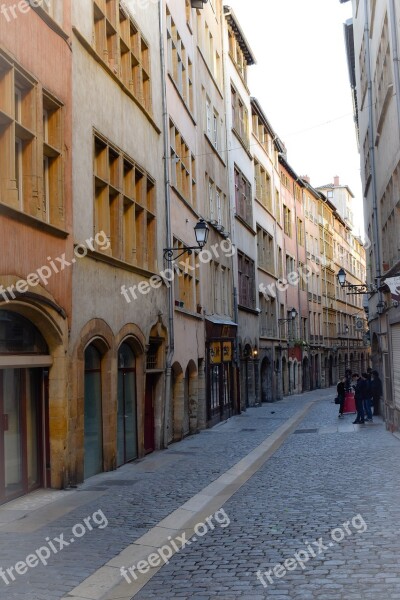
341 390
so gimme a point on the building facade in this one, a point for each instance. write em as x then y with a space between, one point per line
129 126
372 39
36 233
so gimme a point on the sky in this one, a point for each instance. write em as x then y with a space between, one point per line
301 80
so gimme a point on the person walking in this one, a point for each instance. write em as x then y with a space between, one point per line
367 397
359 393
341 391
376 391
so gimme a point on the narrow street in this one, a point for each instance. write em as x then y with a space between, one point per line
286 486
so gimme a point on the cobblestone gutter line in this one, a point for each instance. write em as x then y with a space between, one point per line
107 584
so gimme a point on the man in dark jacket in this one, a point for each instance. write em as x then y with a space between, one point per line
360 391
376 391
367 397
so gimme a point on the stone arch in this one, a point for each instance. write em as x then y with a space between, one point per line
306 373
53 326
98 333
285 376
266 380
191 398
177 404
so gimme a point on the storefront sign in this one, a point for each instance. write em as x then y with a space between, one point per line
227 351
215 353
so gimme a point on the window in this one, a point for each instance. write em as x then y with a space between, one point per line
31 180
300 232
179 64
121 46
246 273
240 117
265 250
243 198
124 206
237 55
287 221
188 11
220 289
262 182
277 207
183 166
187 280
218 210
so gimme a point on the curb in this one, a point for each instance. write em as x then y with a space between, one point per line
107 583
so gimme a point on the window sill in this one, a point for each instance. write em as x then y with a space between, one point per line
242 79
35 223
187 108
189 313
217 153
121 264
210 73
271 273
183 199
51 23
245 224
117 80
247 309
243 143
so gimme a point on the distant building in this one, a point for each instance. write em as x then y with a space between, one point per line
342 198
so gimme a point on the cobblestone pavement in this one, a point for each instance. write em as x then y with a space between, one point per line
137 496
314 486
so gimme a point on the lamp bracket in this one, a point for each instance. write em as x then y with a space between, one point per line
169 252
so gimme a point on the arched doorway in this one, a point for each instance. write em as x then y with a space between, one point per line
127 449
23 406
93 413
266 380
192 397
177 405
285 377
306 373
330 370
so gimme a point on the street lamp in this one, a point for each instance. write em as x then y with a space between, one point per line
201 231
362 288
198 3
293 315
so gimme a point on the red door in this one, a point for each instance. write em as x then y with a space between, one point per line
149 416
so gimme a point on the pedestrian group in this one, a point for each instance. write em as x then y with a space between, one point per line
367 389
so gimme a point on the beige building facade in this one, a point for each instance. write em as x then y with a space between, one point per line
372 49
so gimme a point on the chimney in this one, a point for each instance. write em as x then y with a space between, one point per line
336 181
306 178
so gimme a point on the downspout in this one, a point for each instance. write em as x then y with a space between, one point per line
297 269
171 340
231 209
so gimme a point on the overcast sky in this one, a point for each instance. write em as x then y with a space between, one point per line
301 80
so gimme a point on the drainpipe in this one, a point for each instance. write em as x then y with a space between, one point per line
231 192
171 341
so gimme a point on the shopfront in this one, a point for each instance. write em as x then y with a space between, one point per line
221 372
24 362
